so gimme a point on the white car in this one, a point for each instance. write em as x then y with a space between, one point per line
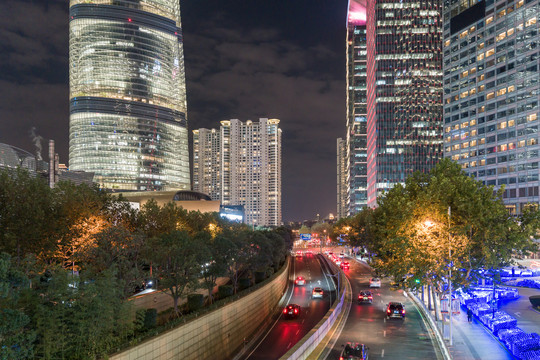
338 261
300 281
374 282
317 293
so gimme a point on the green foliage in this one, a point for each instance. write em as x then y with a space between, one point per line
411 232
195 301
225 291
259 276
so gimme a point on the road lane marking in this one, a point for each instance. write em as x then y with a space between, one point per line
384 333
297 331
288 346
382 353
518 314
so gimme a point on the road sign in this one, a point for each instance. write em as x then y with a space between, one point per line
305 237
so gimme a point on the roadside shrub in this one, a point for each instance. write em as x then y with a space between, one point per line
244 283
195 301
225 291
259 276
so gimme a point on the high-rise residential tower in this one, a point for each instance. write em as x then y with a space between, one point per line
404 91
207 162
127 94
242 165
356 138
492 94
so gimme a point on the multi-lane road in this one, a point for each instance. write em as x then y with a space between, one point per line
367 323
285 333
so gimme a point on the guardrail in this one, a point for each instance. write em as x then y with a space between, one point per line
320 334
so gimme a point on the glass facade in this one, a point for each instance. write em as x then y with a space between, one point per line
405 86
356 139
127 94
492 93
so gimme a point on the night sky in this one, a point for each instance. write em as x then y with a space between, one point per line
244 59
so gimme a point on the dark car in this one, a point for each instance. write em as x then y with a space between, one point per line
395 310
365 296
345 265
291 311
354 351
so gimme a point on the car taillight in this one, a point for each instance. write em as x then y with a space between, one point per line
371 297
285 310
341 358
296 311
388 311
403 311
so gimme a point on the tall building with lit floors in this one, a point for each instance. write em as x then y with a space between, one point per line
127 94
492 94
342 188
404 91
207 162
245 168
356 138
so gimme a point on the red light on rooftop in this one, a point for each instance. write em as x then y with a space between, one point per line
129 19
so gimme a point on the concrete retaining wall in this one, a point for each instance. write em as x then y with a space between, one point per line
218 334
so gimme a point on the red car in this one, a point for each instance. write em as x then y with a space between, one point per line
345 265
291 311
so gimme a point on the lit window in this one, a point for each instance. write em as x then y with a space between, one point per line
480 47
480 57
465 73
464 94
472 91
510 32
473 163
501 125
447 43
532 117
481 88
490 52
473 143
473 133
473 122
501 92
521 143
520 4
530 22
489 20
482 162
482 141
490 96
465 124
511 122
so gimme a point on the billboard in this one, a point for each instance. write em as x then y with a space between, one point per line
305 237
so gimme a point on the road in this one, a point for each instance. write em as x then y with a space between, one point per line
287 332
527 318
386 339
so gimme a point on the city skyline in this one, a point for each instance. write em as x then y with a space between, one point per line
248 67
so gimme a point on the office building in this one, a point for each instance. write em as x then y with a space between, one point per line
342 188
404 91
127 94
245 169
491 97
356 138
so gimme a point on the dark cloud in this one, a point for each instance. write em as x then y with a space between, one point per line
244 59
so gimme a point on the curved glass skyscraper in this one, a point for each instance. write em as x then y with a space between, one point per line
127 94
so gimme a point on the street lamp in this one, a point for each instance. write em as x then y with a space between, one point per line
428 223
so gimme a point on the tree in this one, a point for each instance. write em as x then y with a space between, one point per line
26 213
216 257
414 234
16 335
175 259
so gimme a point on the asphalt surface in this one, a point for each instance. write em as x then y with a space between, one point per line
285 333
367 324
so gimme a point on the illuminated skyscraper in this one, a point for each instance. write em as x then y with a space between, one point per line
492 94
404 91
207 162
356 139
342 188
127 94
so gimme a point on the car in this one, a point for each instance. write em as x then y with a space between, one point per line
341 255
317 292
299 254
300 281
354 351
375 282
345 265
291 311
365 296
337 261
395 310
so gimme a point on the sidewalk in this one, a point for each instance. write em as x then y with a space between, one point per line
472 341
